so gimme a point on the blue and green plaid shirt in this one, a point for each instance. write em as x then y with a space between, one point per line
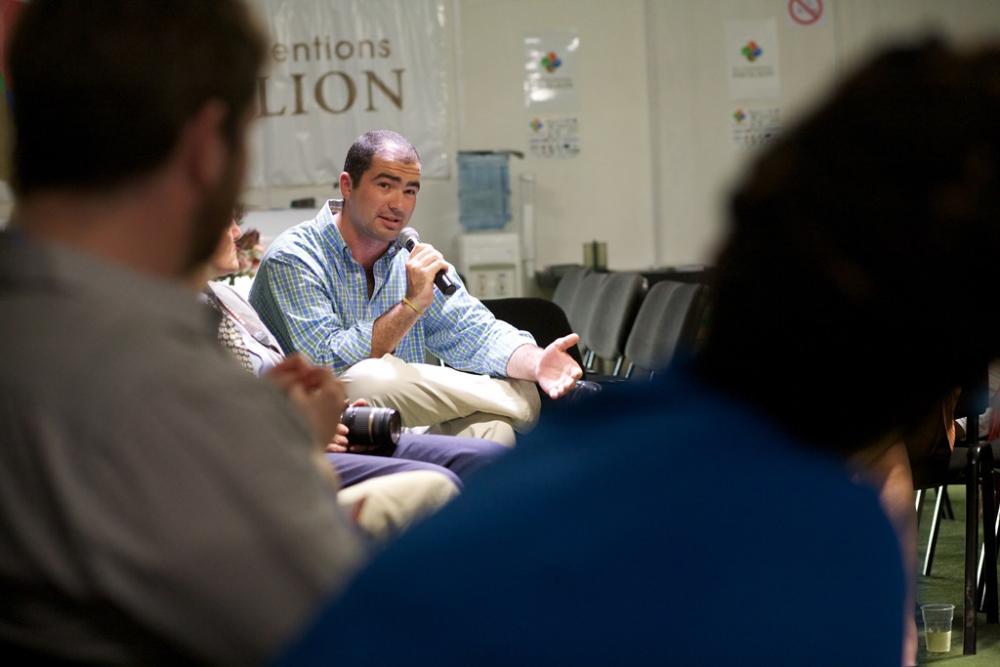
314 297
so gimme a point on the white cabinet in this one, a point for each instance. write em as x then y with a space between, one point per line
491 264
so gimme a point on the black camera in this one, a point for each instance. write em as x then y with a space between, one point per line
372 430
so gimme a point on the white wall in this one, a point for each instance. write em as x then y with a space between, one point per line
696 157
604 193
866 24
696 162
657 155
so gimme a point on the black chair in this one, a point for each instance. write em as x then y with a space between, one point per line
569 289
542 318
972 464
584 307
669 320
610 319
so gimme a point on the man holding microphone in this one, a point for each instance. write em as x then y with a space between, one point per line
341 289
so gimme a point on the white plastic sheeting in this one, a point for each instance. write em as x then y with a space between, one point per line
339 68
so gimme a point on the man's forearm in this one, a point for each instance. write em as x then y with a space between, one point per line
523 363
390 328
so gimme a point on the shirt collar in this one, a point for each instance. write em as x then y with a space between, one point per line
328 227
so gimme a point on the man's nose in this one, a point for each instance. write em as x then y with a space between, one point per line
396 200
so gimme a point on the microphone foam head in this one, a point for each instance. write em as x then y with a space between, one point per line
408 237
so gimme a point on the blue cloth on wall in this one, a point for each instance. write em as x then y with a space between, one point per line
483 191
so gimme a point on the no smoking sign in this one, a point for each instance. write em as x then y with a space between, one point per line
805 12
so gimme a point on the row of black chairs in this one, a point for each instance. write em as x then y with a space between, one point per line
627 325
623 326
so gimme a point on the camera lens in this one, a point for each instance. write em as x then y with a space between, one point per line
377 427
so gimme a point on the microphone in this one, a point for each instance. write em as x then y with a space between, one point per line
408 237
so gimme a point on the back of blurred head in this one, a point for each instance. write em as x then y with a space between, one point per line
107 88
853 290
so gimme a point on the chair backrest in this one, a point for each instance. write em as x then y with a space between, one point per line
541 318
585 304
569 288
616 305
668 320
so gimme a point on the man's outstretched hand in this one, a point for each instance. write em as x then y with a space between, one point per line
556 372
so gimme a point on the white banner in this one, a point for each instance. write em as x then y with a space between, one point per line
338 68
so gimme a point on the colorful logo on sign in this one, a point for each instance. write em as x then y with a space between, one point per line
739 116
536 124
752 51
551 62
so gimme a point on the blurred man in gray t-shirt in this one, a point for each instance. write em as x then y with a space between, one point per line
147 514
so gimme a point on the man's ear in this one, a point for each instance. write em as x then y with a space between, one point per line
345 185
202 149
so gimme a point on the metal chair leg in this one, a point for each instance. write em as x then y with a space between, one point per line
949 511
996 535
987 570
933 536
918 502
971 549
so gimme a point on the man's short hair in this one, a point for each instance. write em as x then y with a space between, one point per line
104 87
365 147
857 284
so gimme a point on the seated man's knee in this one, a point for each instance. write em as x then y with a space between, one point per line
447 474
374 379
384 506
462 456
496 430
479 425
465 448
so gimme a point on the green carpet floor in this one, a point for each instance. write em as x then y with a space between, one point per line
946 585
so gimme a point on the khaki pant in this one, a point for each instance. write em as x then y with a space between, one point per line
450 402
392 502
